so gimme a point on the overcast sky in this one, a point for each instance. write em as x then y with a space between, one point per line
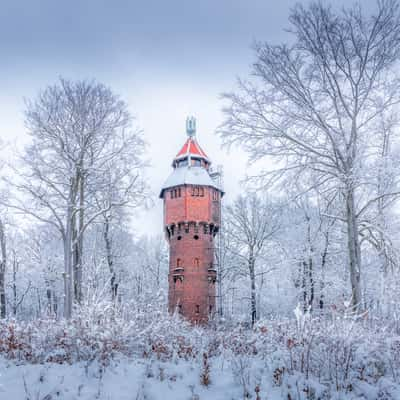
166 58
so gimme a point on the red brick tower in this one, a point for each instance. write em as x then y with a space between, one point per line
191 220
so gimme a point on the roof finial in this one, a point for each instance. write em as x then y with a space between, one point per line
191 126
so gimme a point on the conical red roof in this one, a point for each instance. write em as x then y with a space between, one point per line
192 148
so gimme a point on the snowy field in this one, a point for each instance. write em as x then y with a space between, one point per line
160 357
127 379
123 379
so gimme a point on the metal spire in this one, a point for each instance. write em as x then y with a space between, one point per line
191 126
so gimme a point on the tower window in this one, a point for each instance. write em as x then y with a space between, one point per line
175 193
179 263
197 309
196 237
196 262
197 191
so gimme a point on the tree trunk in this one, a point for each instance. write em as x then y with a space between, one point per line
322 282
3 264
78 240
14 286
68 271
311 280
2 293
110 259
253 288
354 251
304 285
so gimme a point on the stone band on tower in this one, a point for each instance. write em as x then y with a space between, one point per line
192 209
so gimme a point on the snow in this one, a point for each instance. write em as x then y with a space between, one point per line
123 379
127 379
157 357
189 175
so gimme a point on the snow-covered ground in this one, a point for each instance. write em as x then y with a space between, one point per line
140 379
126 379
123 379
154 356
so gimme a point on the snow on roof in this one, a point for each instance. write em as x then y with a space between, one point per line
189 176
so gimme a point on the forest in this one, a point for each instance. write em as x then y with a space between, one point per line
307 257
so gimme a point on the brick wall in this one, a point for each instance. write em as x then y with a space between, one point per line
191 240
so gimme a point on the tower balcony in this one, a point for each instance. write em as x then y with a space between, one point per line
178 274
212 275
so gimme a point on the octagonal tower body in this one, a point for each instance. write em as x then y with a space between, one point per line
192 200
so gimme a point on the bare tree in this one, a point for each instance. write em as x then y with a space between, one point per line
153 254
113 191
251 223
314 105
79 130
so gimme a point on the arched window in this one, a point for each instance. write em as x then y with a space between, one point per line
195 191
197 309
196 262
178 282
178 263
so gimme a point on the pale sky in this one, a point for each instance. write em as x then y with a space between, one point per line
167 59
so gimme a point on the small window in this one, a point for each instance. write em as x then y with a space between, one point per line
179 262
195 191
196 262
180 308
172 194
201 192
210 309
179 237
196 237
197 309
182 163
179 192
178 280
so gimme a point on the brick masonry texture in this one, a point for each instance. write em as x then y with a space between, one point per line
191 224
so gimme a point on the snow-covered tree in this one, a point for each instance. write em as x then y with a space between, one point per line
83 143
314 105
